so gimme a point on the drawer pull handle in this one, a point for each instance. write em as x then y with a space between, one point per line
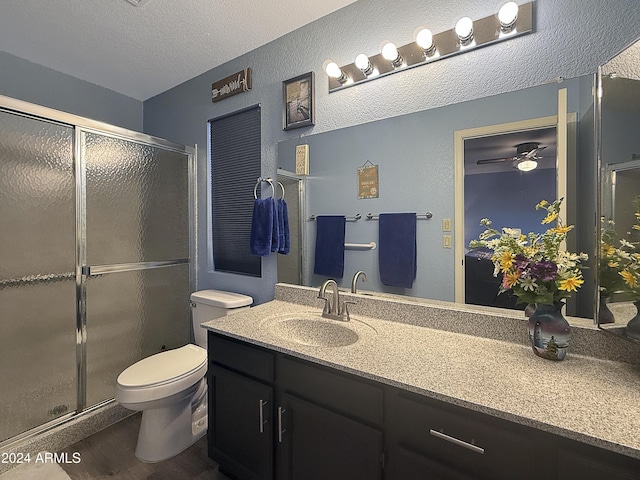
280 429
456 441
261 405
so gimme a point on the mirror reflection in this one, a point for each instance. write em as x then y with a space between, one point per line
422 168
619 155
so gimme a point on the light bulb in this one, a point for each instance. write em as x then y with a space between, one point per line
507 15
333 70
527 165
464 29
362 61
389 51
424 39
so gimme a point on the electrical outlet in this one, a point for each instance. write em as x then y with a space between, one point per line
446 241
446 224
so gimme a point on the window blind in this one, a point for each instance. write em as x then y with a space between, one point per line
235 156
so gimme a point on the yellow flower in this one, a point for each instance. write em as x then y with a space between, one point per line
629 278
564 229
571 284
608 250
613 264
506 260
542 204
551 216
510 279
636 227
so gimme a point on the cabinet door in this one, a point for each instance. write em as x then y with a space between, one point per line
240 431
317 444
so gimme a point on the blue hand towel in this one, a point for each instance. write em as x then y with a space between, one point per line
275 227
283 218
261 227
329 257
397 249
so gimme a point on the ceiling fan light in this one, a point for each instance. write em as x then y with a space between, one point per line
527 165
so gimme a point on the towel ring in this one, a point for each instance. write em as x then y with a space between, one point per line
268 180
282 187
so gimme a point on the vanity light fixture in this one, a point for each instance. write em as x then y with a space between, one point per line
363 63
510 21
507 16
390 52
527 165
334 71
424 39
464 30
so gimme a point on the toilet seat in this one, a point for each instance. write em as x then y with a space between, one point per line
162 374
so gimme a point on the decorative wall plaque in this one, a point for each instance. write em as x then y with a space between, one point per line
368 181
231 85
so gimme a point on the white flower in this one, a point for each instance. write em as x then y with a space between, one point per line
528 284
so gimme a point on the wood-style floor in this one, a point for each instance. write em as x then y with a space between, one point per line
109 454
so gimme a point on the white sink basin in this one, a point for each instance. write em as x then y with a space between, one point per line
310 328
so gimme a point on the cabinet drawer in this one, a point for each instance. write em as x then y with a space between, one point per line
339 392
466 441
241 357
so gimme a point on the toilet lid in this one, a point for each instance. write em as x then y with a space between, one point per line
163 367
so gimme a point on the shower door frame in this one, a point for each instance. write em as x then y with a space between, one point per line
82 125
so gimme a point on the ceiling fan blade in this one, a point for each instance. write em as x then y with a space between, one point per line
493 160
534 152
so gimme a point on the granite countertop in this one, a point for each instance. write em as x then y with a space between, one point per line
583 398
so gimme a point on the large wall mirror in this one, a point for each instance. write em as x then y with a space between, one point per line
618 114
419 171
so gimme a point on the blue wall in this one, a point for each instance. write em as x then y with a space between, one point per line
34 83
571 38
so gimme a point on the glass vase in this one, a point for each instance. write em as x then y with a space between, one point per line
633 327
549 332
605 315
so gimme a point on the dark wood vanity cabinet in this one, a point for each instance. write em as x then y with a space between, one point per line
273 416
431 439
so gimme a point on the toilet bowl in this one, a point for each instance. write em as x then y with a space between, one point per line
170 387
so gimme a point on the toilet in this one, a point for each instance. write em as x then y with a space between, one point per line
170 387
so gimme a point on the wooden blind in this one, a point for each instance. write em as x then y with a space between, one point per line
235 141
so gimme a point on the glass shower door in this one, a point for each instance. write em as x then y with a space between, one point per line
137 275
38 321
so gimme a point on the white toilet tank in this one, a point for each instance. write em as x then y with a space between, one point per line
210 304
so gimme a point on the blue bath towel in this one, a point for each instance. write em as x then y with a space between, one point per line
261 227
283 217
275 227
397 249
329 257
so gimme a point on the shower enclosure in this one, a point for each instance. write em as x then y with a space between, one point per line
96 260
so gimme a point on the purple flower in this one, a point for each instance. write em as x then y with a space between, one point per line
521 262
544 271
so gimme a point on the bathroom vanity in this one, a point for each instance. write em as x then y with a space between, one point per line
409 399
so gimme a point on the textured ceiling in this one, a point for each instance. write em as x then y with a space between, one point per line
143 51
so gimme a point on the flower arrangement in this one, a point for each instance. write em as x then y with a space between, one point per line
534 266
612 260
629 252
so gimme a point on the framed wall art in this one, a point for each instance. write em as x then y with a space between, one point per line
298 95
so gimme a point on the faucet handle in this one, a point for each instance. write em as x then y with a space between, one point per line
327 304
345 309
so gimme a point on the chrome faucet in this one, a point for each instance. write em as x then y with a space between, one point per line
332 308
354 281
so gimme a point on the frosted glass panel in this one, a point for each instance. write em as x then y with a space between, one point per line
131 315
37 354
37 200
137 202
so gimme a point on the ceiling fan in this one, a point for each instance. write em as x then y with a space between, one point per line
525 159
